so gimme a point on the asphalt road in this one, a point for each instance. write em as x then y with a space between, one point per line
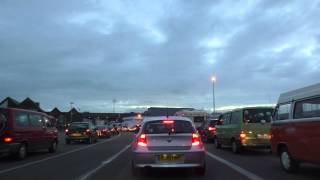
110 159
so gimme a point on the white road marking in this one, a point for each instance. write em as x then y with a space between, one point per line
109 160
235 167
56 156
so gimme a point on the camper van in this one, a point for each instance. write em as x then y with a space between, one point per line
295 130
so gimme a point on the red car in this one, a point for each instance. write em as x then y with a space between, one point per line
22 131
295 131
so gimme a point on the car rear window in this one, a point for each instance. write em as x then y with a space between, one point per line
159 127
79 126
257 115
3 120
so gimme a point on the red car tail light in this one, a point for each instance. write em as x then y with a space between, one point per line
88 131
195 139
66 131
168 122
243 135
7 139
211 128
142 140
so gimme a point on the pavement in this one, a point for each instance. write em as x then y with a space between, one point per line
110 159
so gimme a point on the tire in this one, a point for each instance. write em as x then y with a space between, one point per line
22 152
201 171
235 147
53 147
217 144
89 141
68 141
134 170
287 162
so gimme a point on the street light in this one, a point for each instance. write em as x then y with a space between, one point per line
213 80
71 107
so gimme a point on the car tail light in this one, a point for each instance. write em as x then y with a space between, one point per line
195 139
211 128
142 140
168 122
7 139
88 131
67 130
243 135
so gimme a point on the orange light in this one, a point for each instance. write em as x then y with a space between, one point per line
142 140
243 135
195 139
8 139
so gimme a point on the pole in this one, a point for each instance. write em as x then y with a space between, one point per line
71 112
213 99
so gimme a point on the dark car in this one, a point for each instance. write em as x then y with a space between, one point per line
81 132
208 130
22 131
103 131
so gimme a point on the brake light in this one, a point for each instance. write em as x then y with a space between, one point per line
211 128
7 139
87 130
142 140
243 135
67 130
195 139
168 122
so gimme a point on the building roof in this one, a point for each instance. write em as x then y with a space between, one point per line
309 91
9 102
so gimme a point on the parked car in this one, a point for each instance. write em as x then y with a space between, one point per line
208 130
244 128
103 131
168 142
295 130
22 131
81 132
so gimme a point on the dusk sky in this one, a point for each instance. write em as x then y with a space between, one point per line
157 53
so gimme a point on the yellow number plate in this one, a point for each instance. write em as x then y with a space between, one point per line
171 157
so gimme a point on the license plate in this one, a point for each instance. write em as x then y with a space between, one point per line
76 134
263 136
171 158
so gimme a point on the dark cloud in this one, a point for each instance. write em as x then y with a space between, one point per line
161 53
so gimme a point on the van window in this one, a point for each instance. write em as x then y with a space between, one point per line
35 120
257 115
3 120
22 120
283 112
307 108
236 117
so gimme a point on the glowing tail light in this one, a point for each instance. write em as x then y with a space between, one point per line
211 128
196 140
67 130
243 135
142 140
168 122
7 139
88 130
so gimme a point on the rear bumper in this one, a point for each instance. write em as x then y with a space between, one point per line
256 143
151 159
9 148
77 138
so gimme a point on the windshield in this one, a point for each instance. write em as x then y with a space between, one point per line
257 115
74 126
159 127
3 120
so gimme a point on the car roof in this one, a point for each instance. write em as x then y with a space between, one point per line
309 91
159 118
250 107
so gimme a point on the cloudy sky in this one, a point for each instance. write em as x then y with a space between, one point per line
156 53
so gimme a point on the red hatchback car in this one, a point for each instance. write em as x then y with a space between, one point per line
23 130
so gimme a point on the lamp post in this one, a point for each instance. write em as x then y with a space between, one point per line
213 80
71 107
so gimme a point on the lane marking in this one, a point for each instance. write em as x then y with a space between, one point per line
103 163
56 156
235 167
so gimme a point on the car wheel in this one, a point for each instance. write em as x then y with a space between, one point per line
201 171
68 141
287 162
22 152
53 147
235 147
135 170
89 140
217 144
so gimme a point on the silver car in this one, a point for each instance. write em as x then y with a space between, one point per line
168 142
